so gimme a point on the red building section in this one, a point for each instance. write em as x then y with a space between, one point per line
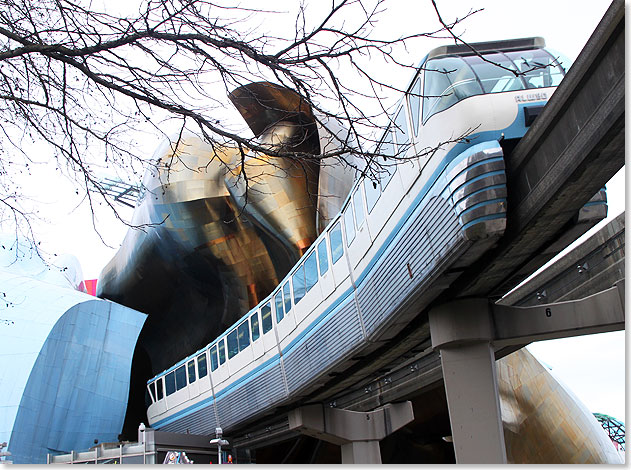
90 286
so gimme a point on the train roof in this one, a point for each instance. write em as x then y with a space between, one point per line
505 45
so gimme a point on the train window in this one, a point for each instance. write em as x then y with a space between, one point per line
152 391
386 148
373 191
495 79
298 281
278 303
202 366
287 297
214 362
169 381
386 175
221 349
254 323
243 335
447 81
266 317
160 392
358 204
323 257
401 132
180 378
414 98
337 247
311 271
233 344
349 225
386 145
191 372
559 60
539 67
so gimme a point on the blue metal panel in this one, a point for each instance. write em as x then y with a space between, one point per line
65 367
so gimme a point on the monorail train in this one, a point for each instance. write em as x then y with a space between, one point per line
393 247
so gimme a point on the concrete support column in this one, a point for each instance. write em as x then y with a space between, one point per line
362 452
358 433
463 331
473 402
466 332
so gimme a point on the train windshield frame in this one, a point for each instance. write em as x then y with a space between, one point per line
453 78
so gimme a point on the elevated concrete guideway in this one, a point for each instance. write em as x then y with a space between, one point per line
572 149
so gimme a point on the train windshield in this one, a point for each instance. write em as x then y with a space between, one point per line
451 79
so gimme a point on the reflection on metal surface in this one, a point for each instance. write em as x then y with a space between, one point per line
223 228
280 116
280 194
543 421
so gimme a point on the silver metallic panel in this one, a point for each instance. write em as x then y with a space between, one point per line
488 195
483 211
473 159
478 185
471 173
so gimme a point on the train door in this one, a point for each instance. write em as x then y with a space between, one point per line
380 203
307 279
339 266
258 348
355 214
203 377
285 317
326 284
193 383
267 329
410 168
219 362
238 347
157 390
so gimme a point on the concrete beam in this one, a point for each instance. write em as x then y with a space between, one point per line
594 265
598 313
466 332
573 148
477 320
357 432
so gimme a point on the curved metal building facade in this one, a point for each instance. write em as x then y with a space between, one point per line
65 361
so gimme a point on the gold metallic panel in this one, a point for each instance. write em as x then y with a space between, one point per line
543 421
209 250
337 174
270 111
264 104
279 193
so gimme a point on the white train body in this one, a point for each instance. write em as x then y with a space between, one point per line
434 215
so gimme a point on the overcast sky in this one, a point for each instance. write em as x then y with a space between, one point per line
593 366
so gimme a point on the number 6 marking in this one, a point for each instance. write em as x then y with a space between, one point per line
548 312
